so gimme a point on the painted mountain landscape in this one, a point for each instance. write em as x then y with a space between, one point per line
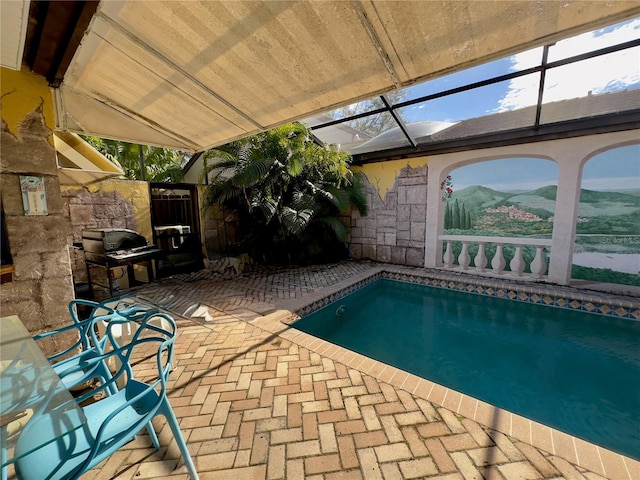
608 230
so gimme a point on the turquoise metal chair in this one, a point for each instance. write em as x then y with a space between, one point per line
87 345
20 386
71 364
112 421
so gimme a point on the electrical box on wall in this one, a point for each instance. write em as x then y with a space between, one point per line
34 198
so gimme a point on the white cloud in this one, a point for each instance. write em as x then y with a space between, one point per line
597 75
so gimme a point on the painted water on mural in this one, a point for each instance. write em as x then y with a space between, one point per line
618 262
517 197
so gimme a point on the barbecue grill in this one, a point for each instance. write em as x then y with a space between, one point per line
113 248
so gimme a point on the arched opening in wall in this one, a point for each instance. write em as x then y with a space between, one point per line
503 210
607 245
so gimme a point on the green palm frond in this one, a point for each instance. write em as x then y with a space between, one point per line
223 192
267 206
296 221
356 192
337 197
251 173
303 201
169 174
161 164
281 183
295 165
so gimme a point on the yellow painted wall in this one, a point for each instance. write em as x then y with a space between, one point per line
382 175
22 93
137 193
42 286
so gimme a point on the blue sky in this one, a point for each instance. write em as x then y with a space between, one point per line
500 175
617 169
599 75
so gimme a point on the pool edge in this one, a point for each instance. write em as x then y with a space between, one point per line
597 459
571 298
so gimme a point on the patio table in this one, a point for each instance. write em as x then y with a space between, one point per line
28 384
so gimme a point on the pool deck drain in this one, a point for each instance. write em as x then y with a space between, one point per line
257 399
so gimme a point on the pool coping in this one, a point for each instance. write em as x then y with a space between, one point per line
597 459
611 305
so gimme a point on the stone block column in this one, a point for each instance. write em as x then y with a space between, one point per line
42 285
394 229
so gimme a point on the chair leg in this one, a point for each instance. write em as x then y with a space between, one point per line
153 435
167 411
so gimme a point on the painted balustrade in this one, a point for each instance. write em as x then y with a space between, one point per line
498 262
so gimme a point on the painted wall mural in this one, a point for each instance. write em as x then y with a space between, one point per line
516 197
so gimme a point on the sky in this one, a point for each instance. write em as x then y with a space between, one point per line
613 170
617 169
599 75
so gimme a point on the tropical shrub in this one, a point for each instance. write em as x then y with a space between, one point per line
288 193
160 164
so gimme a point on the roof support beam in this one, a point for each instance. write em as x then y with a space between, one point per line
376 43
399 121
60 27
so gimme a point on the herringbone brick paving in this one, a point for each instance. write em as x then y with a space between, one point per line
252 405
255 405
260 291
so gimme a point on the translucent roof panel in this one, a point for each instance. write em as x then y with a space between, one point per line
601 38
395 137
503 66
345 112
354 133
591 78
477 102
480 101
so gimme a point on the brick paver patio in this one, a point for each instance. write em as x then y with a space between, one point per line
255 403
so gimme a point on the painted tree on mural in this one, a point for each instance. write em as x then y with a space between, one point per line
456 217
288 193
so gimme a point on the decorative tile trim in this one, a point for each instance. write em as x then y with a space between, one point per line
317 305
540 294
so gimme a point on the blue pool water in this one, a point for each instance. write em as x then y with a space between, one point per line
573 371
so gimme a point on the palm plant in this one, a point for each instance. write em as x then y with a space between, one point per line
160 164
288 193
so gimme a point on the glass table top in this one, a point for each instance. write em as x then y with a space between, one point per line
30 386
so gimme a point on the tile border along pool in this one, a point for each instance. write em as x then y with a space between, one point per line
540 294
550 440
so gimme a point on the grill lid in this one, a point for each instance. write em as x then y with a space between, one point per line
101 240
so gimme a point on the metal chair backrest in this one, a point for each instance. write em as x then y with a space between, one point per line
111 421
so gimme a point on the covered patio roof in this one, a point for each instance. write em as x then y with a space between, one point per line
194 75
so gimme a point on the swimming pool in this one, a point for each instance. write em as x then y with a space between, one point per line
571 370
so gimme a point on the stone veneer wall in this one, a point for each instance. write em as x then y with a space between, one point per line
41 288
93 208
220 230
394 229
